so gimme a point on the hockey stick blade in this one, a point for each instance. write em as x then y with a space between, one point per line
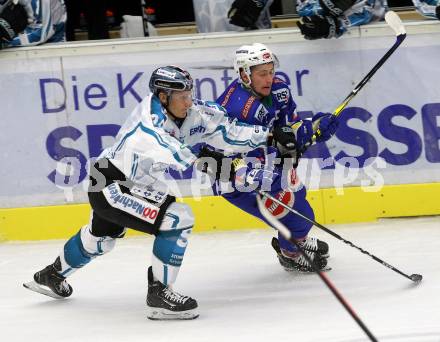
417 278
276 224
393 21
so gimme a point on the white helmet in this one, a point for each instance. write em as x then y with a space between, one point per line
247 56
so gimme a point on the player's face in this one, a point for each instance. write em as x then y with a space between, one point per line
180 102
262 78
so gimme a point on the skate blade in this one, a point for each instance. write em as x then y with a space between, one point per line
158 314
294 270
33 286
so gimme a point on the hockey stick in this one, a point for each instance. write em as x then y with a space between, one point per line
288 236
395 23
417 278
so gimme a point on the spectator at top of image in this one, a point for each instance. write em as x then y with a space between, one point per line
31 22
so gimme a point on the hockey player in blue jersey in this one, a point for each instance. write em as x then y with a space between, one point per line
332 18
257 96
129 187
32 22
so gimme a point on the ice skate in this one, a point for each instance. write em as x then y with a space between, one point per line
50 283
165 304
297 262
315 245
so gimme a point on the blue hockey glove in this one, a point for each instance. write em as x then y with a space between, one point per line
246 176
327 124
303 131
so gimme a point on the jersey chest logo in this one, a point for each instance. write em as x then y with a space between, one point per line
198 129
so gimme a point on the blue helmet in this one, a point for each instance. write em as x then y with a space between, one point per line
170 78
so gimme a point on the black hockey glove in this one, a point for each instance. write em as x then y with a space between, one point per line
437 12
245 13
335 7
206 165
13 20
317 27
284 140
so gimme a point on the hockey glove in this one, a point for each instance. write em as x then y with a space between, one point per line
246 176
206 164
437 12
303 130
245 13
284 140
317 27
327 124
335 7
13 20
27 5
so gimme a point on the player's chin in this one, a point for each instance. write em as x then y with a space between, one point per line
181 115
265 91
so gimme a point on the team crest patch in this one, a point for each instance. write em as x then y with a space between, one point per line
276 209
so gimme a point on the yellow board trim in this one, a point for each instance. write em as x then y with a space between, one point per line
214 213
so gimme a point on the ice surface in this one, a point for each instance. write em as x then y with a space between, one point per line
243 293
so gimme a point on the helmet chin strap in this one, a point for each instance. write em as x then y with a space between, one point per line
260 96
252 91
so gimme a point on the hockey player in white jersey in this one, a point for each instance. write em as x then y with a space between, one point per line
128 189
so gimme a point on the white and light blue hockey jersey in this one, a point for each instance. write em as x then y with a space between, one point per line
149 142
48 26
361 13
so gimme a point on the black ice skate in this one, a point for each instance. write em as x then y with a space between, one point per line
315 245
298 262
50 283
165 304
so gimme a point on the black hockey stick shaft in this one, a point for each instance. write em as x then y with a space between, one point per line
286 233
399 39
413 277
